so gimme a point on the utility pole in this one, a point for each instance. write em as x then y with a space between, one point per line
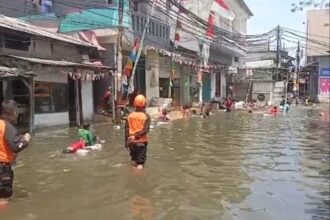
296 78
278 47
146 27
119 62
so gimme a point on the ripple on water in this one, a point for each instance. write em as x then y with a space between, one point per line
231 166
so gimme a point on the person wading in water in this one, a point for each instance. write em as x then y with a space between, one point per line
136 128
11 143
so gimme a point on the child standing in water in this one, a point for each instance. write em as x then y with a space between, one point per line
164 116
186 111
85 138
229 104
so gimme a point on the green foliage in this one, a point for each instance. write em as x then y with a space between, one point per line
309 3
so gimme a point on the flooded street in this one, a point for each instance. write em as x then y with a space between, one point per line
232 166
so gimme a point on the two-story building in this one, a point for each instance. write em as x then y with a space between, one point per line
225 51
48 74
318 54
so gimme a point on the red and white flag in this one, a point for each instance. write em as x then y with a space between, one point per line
221 8
210 26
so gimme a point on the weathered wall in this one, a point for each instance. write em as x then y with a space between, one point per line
318 29
152 70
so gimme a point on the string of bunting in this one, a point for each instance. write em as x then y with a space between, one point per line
186 61
85 77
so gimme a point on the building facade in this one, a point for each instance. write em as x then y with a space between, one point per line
317 51
61 91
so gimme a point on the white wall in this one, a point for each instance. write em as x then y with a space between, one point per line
87 99
213 85
152 68
52 119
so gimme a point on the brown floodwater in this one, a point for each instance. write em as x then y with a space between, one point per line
231 166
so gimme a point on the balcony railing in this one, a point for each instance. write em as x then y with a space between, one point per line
158 32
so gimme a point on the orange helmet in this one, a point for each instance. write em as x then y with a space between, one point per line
139 101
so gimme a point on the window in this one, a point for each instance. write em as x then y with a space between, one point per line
51 97
160 31
149 28
156 30
167 32
164 34
153 28
137 23
15 42
133 22
142 24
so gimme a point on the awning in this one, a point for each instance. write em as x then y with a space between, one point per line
62 63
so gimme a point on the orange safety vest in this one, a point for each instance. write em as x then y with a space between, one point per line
136 122
6 155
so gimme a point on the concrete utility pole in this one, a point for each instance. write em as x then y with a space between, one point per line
296 78
278 47
119 61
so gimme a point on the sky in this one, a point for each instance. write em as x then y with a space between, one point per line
270 13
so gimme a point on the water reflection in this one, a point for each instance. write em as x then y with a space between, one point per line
230 166
140 208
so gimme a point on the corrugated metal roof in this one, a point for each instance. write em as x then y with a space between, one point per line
61 63
21 26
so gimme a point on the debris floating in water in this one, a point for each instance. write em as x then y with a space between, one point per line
117 165
66 170
52 155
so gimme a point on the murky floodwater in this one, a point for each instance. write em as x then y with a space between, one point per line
233 166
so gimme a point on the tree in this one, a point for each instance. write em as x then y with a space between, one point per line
309 3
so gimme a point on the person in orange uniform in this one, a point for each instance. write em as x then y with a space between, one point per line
136 130
11 143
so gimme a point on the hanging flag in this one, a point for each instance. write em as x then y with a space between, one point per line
210 26
135 49
124 80
177 31
220 8
173 69
131 58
